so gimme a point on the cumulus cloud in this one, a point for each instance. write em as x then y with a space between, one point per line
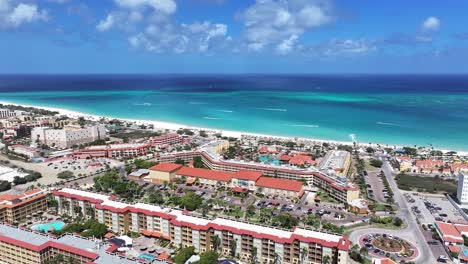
430 24
280 22
15 15
342 48
106 24
165 6
149 25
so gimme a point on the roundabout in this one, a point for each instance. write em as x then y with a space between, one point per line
388 246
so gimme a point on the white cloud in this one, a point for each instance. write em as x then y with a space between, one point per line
431 24
279 22
165 6
26 13
106 24
342 48
287 45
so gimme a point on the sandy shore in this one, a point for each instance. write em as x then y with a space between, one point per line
175 126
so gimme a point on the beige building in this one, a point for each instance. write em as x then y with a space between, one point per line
249 241
163 172
16 208
68 136
336 162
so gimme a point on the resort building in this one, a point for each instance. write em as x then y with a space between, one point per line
429 165
113 151
462 188
26 151
19 246
16 208
451 234
7 113
241 181
163 172
139 175
69 136
249 241
168 139
340 188
336 162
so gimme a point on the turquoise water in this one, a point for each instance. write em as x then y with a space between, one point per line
271 161
45 227
394 110
146 256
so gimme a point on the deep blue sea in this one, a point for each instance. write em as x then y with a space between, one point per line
386 109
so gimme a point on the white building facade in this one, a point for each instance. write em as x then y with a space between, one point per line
68 136
462 188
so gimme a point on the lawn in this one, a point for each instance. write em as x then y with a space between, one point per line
425 184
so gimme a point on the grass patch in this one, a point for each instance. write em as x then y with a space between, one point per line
324 197
425 184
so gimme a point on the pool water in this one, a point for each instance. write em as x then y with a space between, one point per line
266 159
57 226
146 256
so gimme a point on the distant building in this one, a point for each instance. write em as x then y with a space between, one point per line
68 136
168 139
113 151
25 150
163 172
7 113
462 188
16 208
336 162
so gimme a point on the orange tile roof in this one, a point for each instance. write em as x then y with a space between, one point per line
281 184
248 175
301 159
205 174
453 248
166 167
285 157
449 232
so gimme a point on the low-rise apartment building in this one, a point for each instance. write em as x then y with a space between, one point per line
20 246
168 139
340 188
251 241
113 151
16 208
69 136
26 151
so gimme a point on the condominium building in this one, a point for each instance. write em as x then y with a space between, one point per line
16 208
6 113
249 241
340 188
25 150
336 162
462 188
113 151
20 246
68 136
168 139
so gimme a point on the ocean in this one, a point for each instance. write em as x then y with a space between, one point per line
423 110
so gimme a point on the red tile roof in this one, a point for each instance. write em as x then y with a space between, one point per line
166 167
449 232
48 244
205 174
285 157
301 159
248 175
281 184
429 164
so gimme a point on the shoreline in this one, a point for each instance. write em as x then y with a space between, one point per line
176 126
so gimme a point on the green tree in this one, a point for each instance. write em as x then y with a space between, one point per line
286 220
184 254
233 247
65 175
209 257
253 254
179 161
376 163
215 242
190 201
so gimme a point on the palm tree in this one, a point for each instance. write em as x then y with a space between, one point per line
303 254
254 254
326 259
215 242
277 259
233 247
90 212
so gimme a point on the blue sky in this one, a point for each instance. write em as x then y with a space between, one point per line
233 36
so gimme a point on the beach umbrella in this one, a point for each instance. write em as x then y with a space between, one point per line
50 229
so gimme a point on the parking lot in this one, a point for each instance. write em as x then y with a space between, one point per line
429 209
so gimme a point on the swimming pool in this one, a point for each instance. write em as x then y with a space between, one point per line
146 256
48 227
271 161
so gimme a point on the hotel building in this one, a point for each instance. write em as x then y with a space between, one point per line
16 208
19 246
113 151
462 188
68 136
266 243
168 139
336 162
340 188
7 113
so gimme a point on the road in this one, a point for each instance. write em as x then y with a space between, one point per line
404 212
412 232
